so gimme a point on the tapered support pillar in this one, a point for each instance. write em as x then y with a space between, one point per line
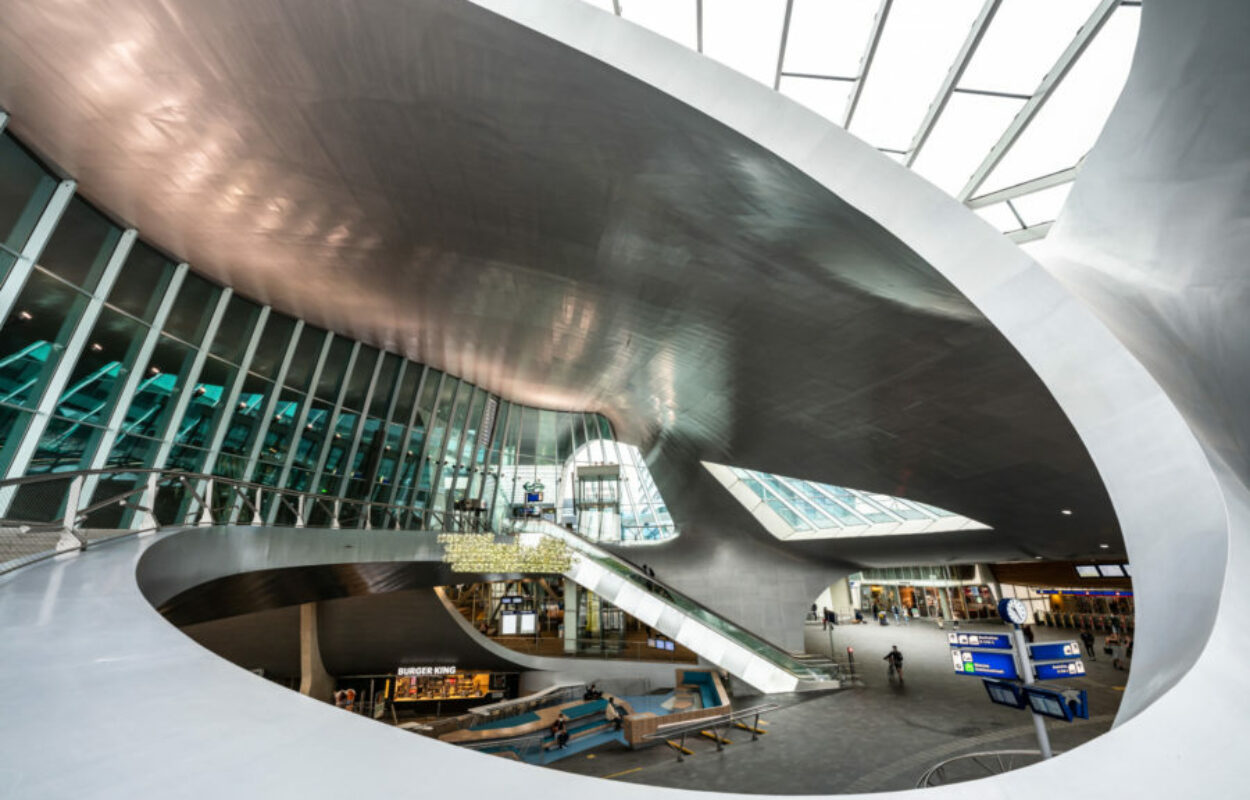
570 616
314 680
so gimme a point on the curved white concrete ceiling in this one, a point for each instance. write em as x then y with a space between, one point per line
435 179
994 101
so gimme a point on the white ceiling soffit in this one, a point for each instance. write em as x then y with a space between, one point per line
794 509
994 101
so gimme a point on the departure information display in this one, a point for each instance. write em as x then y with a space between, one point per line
984 664
992 641
1053 651
1059 669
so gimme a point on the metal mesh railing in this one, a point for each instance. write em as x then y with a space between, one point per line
971 766
43 515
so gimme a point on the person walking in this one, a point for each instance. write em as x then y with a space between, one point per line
894 610
895 659
1117 652
1087 639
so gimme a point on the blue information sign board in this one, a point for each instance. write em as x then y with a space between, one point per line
1059 669
1054 651
992 641
984 664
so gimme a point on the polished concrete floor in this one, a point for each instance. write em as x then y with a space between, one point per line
877 737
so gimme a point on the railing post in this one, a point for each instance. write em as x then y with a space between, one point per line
146 519
71 537
368 512
206 519
299 511
334 522
755 729
256 518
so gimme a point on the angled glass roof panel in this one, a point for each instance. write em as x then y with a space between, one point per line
827 37
796 502
1023 42
1043 206
792 498
964 133
674 19
999 216
899 507
1068 125
859 502
745 35
918 43
826 98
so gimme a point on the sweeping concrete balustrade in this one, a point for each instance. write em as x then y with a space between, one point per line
41 525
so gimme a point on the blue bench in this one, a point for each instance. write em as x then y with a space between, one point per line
706 685
586 709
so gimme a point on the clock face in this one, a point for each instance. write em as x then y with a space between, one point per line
1013 611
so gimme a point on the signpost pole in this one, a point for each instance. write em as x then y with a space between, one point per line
1025 664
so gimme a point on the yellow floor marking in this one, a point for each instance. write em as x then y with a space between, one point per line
1118 688
590 755
623 772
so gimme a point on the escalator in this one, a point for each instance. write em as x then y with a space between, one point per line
716 640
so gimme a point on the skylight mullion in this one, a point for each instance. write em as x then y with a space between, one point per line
698 24
825 490
979 26
1021 189
865 64
770 481
1053 78
781 49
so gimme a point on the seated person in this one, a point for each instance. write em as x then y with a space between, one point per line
613 715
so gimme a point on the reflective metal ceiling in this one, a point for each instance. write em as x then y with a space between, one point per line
432 178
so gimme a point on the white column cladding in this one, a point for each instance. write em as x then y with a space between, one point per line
300 421
350 454
570 616
333 422
436 473
67 359
4 121
262 430
130 385
403 459
193 375
425 445
15 281
397 385
232 393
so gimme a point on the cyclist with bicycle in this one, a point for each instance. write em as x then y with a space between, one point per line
895 658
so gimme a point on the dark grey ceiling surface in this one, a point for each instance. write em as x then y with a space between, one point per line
432 178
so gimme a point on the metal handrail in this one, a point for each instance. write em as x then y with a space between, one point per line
939 769
690 726
197 507
723 721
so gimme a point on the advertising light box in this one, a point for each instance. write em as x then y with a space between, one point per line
992 641
1059 669
984 664
1054 651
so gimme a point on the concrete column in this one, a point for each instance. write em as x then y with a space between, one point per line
840 595
314 680
570 616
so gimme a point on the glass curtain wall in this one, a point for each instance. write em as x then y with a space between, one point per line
113 355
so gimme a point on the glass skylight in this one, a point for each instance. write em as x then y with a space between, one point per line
790 508
971 148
